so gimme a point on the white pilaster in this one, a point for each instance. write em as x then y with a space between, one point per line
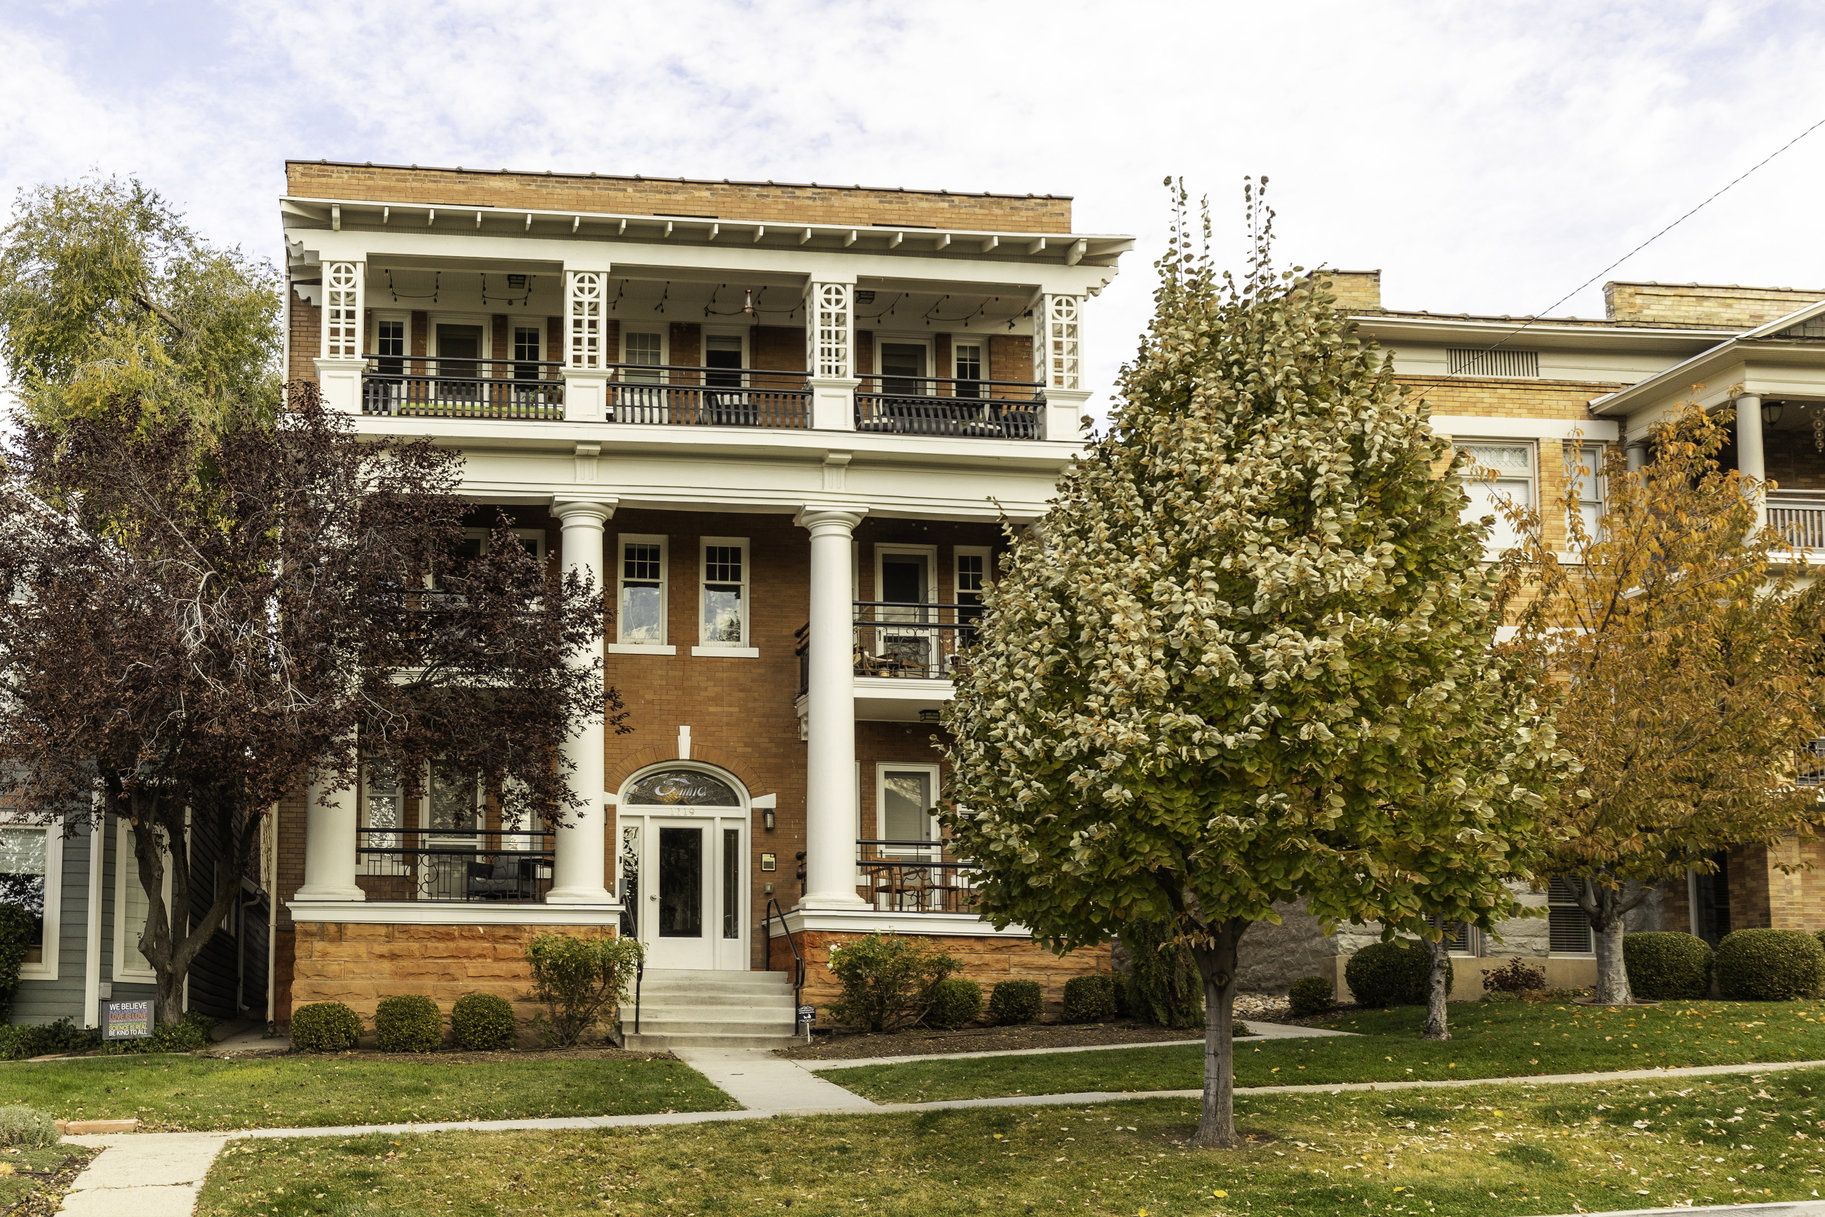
830 354
329 846
830 840
1749 459
585 358
339 353
579 869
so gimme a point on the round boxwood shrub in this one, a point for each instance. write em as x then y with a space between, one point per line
325 1026
1394 973
1015 1001
1667 966
1310 995
1768 965
955 1000
410 1022
1089 999
482 1022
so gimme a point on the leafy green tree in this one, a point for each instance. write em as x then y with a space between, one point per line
107 295
1688 651
1246 658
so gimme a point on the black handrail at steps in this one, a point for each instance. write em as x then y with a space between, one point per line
639 975
798 960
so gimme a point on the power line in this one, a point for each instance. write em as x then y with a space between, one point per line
1547 311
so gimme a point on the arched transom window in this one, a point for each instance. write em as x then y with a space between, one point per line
681 788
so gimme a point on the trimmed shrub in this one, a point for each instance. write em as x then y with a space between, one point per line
1089 999
1310 995
410 1022
325 1026
482 1022
580 981
15 938
956 1000
889 982
1164 987
1667 966
1015 1001
1513 978
24 1127
1395 973
62 1036
1768 965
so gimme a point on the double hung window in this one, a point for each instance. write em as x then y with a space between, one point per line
1584 476
641 619
1500 476
28 878
968 357
640 399
972 581
724 592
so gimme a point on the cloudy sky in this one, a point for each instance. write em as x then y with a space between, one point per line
1487 157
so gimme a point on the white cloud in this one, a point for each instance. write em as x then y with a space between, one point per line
1487 158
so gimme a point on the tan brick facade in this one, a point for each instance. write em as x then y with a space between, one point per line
985 960
802 204
1726 307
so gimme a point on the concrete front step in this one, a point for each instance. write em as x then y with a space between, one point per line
650 1042
686 1025
672 997
697 1008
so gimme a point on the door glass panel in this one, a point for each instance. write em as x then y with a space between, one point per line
681 883
459 350
907 802
731 883
903 369
906 589
630 881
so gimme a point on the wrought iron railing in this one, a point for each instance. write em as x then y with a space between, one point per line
1798 517
682 395
936 405
431 387
775 913
455 864
893 639
913 877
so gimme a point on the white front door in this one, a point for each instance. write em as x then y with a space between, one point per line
695 874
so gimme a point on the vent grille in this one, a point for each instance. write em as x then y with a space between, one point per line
1568 929
1463 361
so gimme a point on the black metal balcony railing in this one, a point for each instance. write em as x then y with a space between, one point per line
430 387
935 405
679 395
913 877
455 864
894 639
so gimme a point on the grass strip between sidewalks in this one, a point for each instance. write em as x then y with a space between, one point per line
1489 1040
198 1093
1476 1152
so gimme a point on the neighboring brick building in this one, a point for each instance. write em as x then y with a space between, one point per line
1528 398
779 424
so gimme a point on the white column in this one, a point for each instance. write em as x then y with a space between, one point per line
329 846
1058 364
830 354
580 867
1749 459
830 841
339 357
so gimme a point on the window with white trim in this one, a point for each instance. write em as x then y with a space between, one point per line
967 364
528 348
382 817
643 353
640 620
390 345
1499 475
1584 478
131 908
906 801
31 859
724 601
972 576
1568 928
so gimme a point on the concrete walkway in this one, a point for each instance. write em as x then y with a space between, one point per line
159 1174
1262 1031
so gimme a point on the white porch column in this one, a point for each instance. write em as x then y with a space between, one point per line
830 841
339 355
830 354
1749 459
580 867
329 846
585 359
1058 363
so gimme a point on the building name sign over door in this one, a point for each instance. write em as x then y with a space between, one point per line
682 788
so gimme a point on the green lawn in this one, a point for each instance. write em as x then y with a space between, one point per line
186 1092
1479 1152
31 1180
1509 1039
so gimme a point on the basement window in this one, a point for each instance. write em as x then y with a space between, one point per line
1478 361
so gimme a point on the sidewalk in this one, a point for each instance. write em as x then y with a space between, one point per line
1262 1031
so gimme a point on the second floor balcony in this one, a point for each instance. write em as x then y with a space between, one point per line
915 643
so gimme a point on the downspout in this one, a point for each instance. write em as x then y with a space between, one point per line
91 963
272 921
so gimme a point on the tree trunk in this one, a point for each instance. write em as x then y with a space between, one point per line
1612 977
1436 1028
1217 965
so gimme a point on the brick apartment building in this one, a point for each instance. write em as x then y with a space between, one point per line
778 424
1529 405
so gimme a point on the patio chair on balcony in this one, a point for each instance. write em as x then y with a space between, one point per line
505 878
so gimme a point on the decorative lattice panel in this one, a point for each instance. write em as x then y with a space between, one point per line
583 301
342 310
1057 351
827 335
